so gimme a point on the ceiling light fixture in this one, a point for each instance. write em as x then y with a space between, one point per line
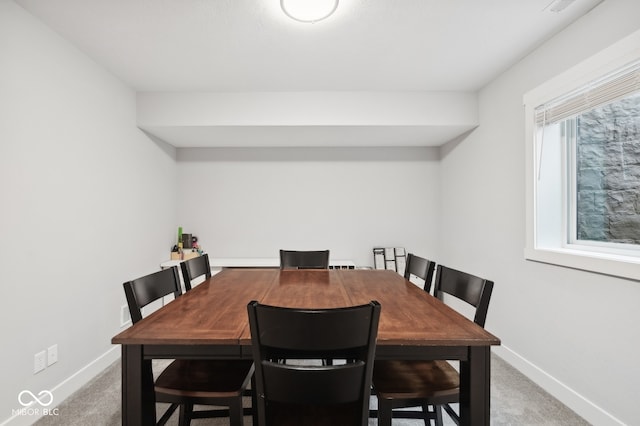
308 11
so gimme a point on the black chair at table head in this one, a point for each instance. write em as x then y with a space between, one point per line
308 392
295 259
194 268
421 268
184 383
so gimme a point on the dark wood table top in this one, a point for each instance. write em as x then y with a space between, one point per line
215 312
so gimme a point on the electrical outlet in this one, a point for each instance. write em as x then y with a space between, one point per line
39 362
125 316
52 355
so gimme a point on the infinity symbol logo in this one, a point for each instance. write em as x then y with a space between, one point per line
42 400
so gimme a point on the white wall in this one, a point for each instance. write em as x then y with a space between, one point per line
88 201
78 175
574 332
251 203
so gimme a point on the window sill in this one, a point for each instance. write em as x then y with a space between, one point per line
608 264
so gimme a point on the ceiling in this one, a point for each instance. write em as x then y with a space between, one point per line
250 46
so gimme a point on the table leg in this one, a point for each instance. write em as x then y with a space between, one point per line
475 387
138 397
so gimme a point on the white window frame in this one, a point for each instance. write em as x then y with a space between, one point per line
590 257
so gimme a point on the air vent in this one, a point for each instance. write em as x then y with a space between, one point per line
342 264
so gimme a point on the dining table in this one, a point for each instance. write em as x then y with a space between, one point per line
211 322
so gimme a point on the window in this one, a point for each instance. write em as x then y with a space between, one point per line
583 181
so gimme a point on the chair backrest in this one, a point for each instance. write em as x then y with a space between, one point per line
142 291
313 334
421 268
292 259
194 268
469 288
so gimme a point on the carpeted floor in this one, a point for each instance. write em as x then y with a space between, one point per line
515 400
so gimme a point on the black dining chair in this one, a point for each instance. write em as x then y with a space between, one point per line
307 392
420 267
184 383
194 268
430 385
295 259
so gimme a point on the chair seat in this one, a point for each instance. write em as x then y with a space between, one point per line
416 379
202 379
316 415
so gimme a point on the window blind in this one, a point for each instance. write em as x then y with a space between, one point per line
602 91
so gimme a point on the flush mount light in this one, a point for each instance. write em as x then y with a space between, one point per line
309 10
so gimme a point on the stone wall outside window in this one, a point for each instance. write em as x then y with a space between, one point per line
608 172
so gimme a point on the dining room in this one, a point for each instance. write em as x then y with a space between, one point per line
119 124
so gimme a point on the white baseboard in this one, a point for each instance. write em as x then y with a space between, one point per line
70 385
582 406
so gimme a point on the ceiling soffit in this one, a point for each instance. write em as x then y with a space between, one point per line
311 119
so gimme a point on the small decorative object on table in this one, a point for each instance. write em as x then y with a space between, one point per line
185 248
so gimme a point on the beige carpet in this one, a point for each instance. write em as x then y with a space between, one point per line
515 400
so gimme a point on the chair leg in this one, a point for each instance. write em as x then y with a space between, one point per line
185 414
426 414
438 409
384 413
254 400
236 413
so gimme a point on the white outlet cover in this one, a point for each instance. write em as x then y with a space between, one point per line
39 362
52 355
